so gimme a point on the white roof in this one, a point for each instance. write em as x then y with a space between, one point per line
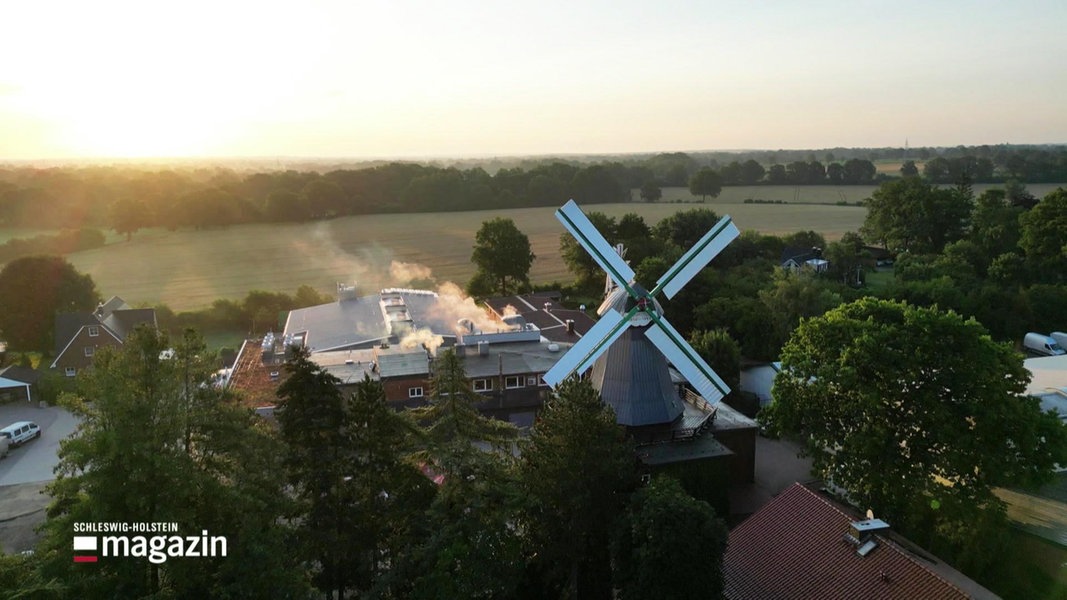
1049 382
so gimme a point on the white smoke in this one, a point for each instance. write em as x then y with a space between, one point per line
453 304
422 337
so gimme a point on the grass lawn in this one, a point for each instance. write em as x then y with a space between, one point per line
877 280
224 339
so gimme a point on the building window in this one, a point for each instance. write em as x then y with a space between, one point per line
88 350
541 381
512 382
483 385
94 331
415 392
531 380
71 372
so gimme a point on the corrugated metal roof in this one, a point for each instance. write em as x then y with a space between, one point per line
632 377
794 547
360 322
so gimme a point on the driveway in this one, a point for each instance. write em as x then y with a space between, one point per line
34 460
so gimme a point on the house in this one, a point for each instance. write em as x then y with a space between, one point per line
803 545
17 383
758 379
79 335
796 259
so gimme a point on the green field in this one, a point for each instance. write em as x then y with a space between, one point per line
188 269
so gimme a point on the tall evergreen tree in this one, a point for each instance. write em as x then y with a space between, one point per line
473 550
312 418
577 469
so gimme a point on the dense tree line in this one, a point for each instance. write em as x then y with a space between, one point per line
127 199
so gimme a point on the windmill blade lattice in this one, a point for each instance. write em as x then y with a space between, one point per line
641 309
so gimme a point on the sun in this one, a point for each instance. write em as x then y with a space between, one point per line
147 128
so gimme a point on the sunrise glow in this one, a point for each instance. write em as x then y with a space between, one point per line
331 78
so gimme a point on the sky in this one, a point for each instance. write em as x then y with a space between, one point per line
395 79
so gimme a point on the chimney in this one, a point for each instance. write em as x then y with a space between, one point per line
570 325
861 534
548 306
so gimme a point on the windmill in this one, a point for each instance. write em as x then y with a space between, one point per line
632 374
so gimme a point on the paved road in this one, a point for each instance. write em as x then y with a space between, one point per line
34 460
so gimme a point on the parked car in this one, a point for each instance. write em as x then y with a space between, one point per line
20 433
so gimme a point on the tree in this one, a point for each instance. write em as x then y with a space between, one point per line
128 215
311 413
650 191
912 215
34 289
859 171
577 468
664 526
751 172
848 259
578 261
158 443
387 496
722 354
910 409
284 205
908 169
705 182
473 550
502 253
323 198
994 226
683 229
1044 236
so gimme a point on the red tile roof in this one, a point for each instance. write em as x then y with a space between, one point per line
794 547
252 378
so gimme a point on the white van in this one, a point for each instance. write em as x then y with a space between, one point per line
1041 345
21 432
1060 337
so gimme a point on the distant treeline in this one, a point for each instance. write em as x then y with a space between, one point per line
127 198
61 243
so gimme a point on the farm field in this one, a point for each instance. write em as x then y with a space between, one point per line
189 269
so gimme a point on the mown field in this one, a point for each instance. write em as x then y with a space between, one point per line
189 269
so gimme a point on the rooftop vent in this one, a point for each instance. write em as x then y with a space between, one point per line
861 534
346 292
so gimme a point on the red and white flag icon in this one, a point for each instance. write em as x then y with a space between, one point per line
84 543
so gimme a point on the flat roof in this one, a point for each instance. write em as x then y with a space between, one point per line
1048 382
354 323
700 447
512 358
350 366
